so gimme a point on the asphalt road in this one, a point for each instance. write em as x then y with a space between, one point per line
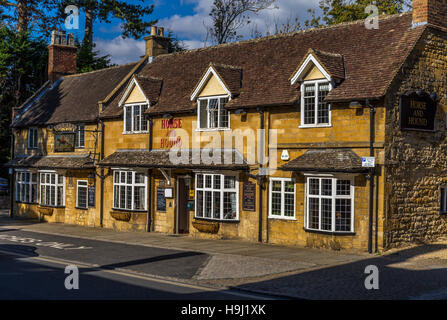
32 266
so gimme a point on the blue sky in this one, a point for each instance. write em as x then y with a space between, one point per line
186 18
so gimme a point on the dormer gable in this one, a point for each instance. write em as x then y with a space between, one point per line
318 65
133 94
218 80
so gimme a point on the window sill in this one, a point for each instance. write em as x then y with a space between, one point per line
79 208
216 220
213 129
136 132
307 126
51 207
79 147
332 233
283 218
24 202
129 210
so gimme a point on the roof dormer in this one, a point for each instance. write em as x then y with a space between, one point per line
142 90
317 65
218 80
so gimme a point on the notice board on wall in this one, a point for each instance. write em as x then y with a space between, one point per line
249 196
161 199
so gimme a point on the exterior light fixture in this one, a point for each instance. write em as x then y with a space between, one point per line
167 116
355 104
433 96
242 112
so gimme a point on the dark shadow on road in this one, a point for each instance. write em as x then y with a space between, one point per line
398 279
153 259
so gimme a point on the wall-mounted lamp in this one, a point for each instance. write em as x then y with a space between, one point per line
355 105
242 112
168 116
433 96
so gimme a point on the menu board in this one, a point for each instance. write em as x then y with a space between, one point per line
249 196
91 196
161 199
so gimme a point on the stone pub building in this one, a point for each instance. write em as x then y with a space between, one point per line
333 137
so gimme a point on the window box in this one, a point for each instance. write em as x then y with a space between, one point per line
121 215
206 226
47 211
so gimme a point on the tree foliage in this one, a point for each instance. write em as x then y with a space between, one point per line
88 59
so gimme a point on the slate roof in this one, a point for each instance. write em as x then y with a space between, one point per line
161 159
53 162
75 98
326 160
370 59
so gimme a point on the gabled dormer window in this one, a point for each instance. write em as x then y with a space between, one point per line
212 114
134 118
32 138
314 110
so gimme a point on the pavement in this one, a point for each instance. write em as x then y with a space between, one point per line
418 272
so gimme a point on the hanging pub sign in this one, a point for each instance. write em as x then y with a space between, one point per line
417 111
64 142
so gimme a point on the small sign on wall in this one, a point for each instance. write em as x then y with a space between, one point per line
91 196
368 162
168 193
417 111
161 199
249 196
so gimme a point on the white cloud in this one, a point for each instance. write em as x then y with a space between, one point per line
121 50
192 27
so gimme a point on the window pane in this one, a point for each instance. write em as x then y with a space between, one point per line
326 187
80 136
139 198
128 119
276 185
139 177
213 113
343 187
343 215
136 118
82 197
122 197
129 197
216 211
326 214
116 196
309 104
203 114
144 121
223 121
230 182
323 107
276 203
208 181
199 181
289 186
314 186
230 210
216 182
199 209
314 213
289 205
208 203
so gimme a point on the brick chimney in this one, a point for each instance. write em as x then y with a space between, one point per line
156 43
433 12
61 55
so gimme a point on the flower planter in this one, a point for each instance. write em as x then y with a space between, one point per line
45 211
121 216
206 226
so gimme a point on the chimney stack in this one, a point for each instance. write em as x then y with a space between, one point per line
61 55
156 43
432 12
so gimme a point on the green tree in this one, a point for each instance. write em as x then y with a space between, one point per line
23 69
88 59
339 11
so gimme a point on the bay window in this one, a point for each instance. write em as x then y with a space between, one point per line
282 198
329 204
52 189
26 187
129 190
212 114
134 118
217 197
314 110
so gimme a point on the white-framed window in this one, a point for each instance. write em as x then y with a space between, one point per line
26 187
217 197
443 204
129 190
52 189
330 204
314 110
32 138
80 136
82 194
282 198
134 118
212 114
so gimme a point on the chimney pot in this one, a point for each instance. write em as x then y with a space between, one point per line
61 55
153 31
156 43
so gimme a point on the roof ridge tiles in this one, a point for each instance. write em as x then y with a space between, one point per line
100 70
283 35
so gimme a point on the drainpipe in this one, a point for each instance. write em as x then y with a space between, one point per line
101 156
11 180
260 177
149 187
371 174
